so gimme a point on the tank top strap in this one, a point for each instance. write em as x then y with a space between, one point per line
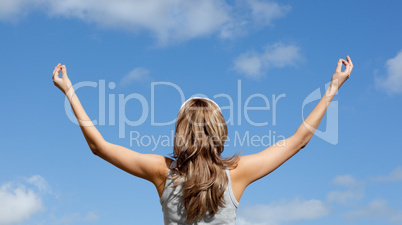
231 194
168 182
173 164
171 167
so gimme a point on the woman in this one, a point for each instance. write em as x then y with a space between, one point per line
198 186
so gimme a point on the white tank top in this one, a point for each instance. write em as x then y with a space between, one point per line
174 212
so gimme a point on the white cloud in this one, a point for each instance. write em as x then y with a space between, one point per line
265 12
14 10
278 55
167 20
392 83
137 74
395 175
345 180
355 190
252 14
289 212
345 197
39 182
280 212
377 209
91 216
348 181
23 198
18 203
74 218
249 64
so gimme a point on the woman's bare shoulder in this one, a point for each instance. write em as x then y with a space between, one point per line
164 167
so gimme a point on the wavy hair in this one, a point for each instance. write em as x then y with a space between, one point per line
200 134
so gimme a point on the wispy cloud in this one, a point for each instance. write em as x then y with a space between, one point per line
346 181
354 190
167 20
254 64
247 14
39 182
137 74
265 12
76 218
13 11
280 212
392 82
24 197
350 193
377 209
345 197
18 203
395 175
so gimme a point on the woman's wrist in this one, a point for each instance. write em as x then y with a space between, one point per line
333 88
69 92
336 83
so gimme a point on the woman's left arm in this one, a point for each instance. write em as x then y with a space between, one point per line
147 166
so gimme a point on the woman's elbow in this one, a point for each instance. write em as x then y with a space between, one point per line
303 145
301 141
95 152
96 148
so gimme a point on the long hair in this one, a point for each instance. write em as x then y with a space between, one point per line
199 139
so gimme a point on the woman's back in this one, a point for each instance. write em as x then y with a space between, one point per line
174 211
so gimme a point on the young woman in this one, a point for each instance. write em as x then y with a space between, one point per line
198 186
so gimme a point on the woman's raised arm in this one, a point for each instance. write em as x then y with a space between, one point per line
148 166
91 134
253 167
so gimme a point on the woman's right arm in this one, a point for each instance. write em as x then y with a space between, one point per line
253 167
151 167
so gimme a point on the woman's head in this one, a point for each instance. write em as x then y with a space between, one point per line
200 129
200 135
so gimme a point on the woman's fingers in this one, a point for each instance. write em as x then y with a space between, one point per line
64 71
339 65
56 72
347 67
350 62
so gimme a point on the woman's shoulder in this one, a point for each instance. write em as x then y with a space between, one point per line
161 165
164 168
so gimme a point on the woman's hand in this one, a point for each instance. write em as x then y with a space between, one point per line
63 83
340 77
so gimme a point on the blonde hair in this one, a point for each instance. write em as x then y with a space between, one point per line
200 135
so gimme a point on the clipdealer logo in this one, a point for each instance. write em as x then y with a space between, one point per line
330 134
116 115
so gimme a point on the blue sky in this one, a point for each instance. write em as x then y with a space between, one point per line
350 173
